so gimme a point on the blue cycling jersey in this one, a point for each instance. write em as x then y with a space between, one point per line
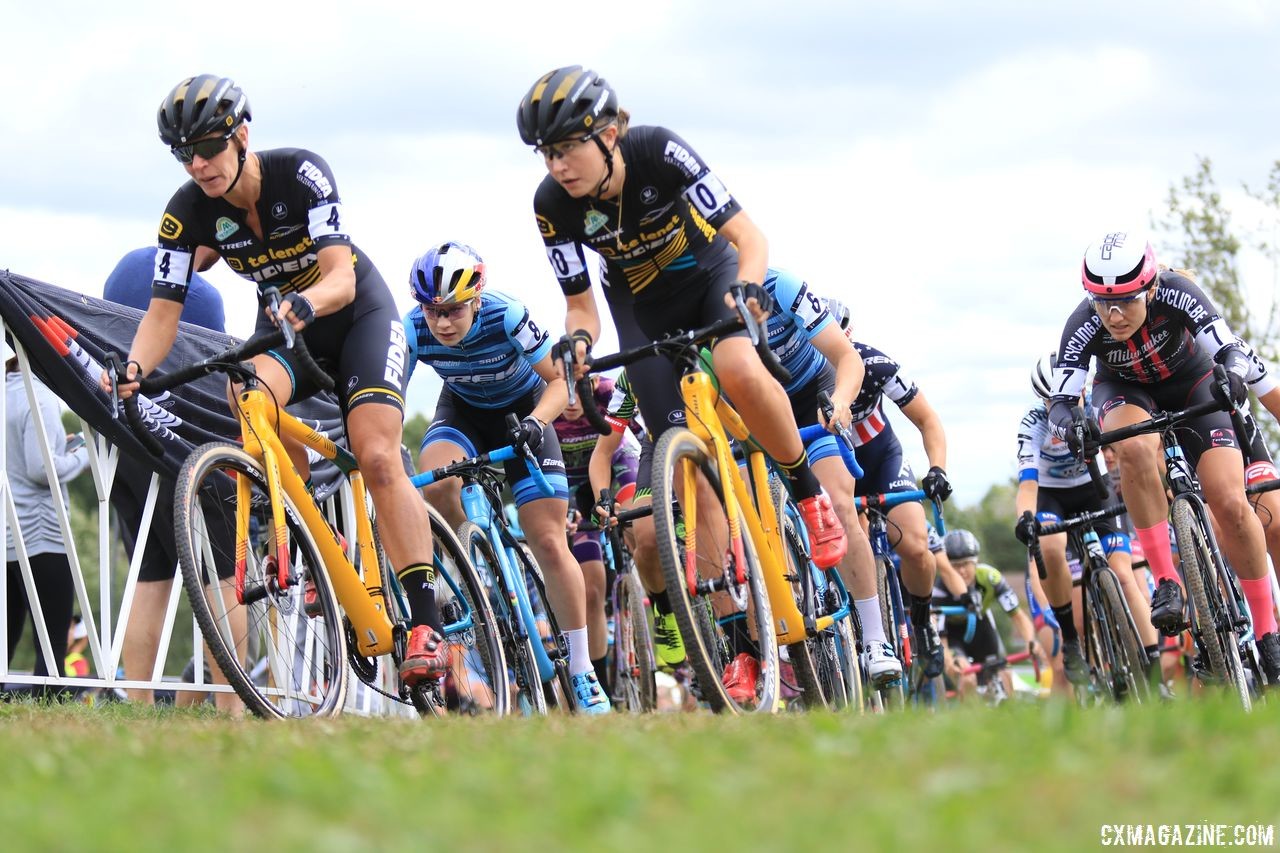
492 366
798 316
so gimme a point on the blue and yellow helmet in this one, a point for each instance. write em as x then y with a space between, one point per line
448 273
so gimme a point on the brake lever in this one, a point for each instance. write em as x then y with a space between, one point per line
272 296
111 361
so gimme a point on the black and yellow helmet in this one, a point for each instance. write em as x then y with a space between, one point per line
200 106
566 102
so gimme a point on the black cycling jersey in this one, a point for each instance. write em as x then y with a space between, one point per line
363 344
663 224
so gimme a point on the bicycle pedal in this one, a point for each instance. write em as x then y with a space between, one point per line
1175 630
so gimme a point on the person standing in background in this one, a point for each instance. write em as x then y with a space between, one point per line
130 284
38 525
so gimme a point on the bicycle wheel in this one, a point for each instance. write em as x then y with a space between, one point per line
892 695
1128 673
280 660
705 614
477 679
1211 625
633 671
815 660
558 689
517 645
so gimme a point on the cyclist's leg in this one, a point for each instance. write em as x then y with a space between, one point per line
590 558
1221 474
1121 561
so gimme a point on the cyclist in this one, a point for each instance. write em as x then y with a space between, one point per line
495 359
885 468
673 240
276 218
987 587
1156 337
1054 484
578 439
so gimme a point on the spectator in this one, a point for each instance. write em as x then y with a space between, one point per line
38 525
130 284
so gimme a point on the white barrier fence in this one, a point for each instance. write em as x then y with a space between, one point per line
107 618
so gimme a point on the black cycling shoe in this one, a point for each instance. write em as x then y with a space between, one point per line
1166 607
929 649
1269 651
1073 665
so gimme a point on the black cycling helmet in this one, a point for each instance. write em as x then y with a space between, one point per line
961 545
200 106
568 101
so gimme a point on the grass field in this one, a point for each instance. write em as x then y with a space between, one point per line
118 777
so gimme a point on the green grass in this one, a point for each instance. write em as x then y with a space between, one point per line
120 777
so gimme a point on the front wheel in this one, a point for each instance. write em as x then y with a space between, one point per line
634 684
284 652
1127 673
697 552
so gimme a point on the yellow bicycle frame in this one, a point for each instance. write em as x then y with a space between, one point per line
707 414
362 600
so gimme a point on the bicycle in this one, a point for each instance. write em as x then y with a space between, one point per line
633 662
990 675
893 609
317 605
1219 619
1112 646
534 646
744 572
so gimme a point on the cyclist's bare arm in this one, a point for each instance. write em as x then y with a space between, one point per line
926 419
850 370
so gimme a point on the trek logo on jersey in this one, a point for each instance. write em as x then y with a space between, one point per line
545 228
676 153
310 175
279 211
224 228
170 227
594 221
649 195
395 355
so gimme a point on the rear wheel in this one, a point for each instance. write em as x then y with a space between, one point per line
559 688
714 617
634 665
524 682
280 660
893 694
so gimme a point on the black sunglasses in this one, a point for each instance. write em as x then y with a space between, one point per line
205 148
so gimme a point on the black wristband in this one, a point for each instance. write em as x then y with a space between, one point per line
583 335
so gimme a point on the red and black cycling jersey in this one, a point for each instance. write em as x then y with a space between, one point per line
662 224
299 211
1182 333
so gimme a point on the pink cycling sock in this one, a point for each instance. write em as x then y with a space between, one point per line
1261 606
1155 545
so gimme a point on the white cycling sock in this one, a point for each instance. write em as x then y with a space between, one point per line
579 655
869 614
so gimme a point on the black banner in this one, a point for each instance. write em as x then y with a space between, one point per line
66 335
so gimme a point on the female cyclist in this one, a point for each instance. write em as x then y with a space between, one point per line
673 240
276 218
495 359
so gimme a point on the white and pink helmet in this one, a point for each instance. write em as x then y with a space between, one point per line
1120 264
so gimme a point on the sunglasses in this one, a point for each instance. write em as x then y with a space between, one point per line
446 312
1121 302
207 149
565 148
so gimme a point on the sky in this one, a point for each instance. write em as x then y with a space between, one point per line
938 166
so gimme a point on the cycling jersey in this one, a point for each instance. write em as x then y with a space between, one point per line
883 378
299 211
661 225
797 317
578 440
990 583
493 363
1182 330
1044 457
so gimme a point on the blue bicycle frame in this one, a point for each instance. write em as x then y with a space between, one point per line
478 509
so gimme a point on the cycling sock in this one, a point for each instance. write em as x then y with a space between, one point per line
1153 656
800 476
1155 544
1066 622
660 602
309 486
739 637
920 609
870 617
421 593
601 666
1261 605
579 656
